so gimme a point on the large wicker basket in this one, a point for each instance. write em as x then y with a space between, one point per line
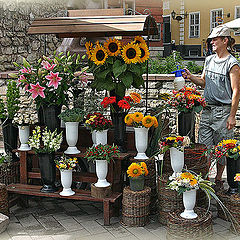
135 207
10 173
199 228
3 199
235 211
225 199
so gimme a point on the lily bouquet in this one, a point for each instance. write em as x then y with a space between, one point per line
66 163
137 169
98 122
45 141
116 66
177 142
137 120
187 99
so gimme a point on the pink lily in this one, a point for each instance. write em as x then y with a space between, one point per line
54 79
46 65
21 79
26 70
37 90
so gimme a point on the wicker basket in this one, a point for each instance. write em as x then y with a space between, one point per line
235 211
10 173
193 160
225 199
135 207
199 228
3 200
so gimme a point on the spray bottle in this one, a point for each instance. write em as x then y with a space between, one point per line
179 81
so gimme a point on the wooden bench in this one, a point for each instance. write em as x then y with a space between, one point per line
111 204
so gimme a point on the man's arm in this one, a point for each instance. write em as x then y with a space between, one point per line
198 81
235 84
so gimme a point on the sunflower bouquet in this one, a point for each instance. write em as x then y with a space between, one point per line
137 120
116 66
137 169
177 142
66 163
187 99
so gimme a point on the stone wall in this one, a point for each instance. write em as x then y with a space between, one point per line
15 19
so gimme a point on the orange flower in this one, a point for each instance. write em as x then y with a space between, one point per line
137 117
144 166
155 122
128 119
147 121
134 170
136 97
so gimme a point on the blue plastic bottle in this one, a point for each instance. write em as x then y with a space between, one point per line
179 81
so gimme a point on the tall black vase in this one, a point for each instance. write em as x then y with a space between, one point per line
119 130
51 119
40 116
233 167
186 125
48 172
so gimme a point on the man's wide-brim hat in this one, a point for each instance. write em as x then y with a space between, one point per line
220 31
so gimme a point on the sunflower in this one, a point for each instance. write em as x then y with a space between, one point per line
136 97
144 166
134 170
131 53
137 117
113 47
147 121
139 40
89 47
144 52
99 54
155 122
128 119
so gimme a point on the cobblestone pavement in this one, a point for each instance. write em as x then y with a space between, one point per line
57 219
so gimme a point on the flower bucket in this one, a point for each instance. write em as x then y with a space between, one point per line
101 171
141 142
101 137
136 183
72 137
186 124
189 201
233 167
177 160
66 181
23 138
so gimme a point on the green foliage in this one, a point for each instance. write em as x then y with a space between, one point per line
194 68
72 115
3 112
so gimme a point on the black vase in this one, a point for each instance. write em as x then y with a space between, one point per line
119 130
10 135
51 119
48 172
40 116
233 167
186 125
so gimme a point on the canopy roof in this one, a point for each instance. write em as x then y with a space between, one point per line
95 26
234 24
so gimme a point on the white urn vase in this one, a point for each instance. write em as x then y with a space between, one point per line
72 137
94 138
66 181
189 201
101 137
101 171
141 142
177 160
23 138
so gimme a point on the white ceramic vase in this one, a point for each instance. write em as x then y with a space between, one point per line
101 137
141 142
94 138
23 138
66 181
189 201
72 137
101 171
177 160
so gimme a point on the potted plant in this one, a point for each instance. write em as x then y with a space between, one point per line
25 116
136 173
72 117
100 124
187 183
7 111
66 166
45 143
102 155
141 126
176 146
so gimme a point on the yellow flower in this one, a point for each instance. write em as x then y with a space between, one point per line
225 142
99 55
131 53
237 177
144 52
113 47
139 40
187 175
193 182
89 46
62 165
137 117
134 170
147 121
136 97
144 166
128 119
87 121
155 122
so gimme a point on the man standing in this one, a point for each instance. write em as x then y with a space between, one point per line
221 82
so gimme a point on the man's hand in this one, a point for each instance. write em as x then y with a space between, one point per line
231 122
186 74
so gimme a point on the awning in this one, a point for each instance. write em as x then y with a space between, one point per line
95 26
234 24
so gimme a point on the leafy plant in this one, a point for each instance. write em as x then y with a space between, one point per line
3 112
194 68
72 115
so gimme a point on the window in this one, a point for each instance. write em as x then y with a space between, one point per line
194 25
237 15
156 37
129 6
216 18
